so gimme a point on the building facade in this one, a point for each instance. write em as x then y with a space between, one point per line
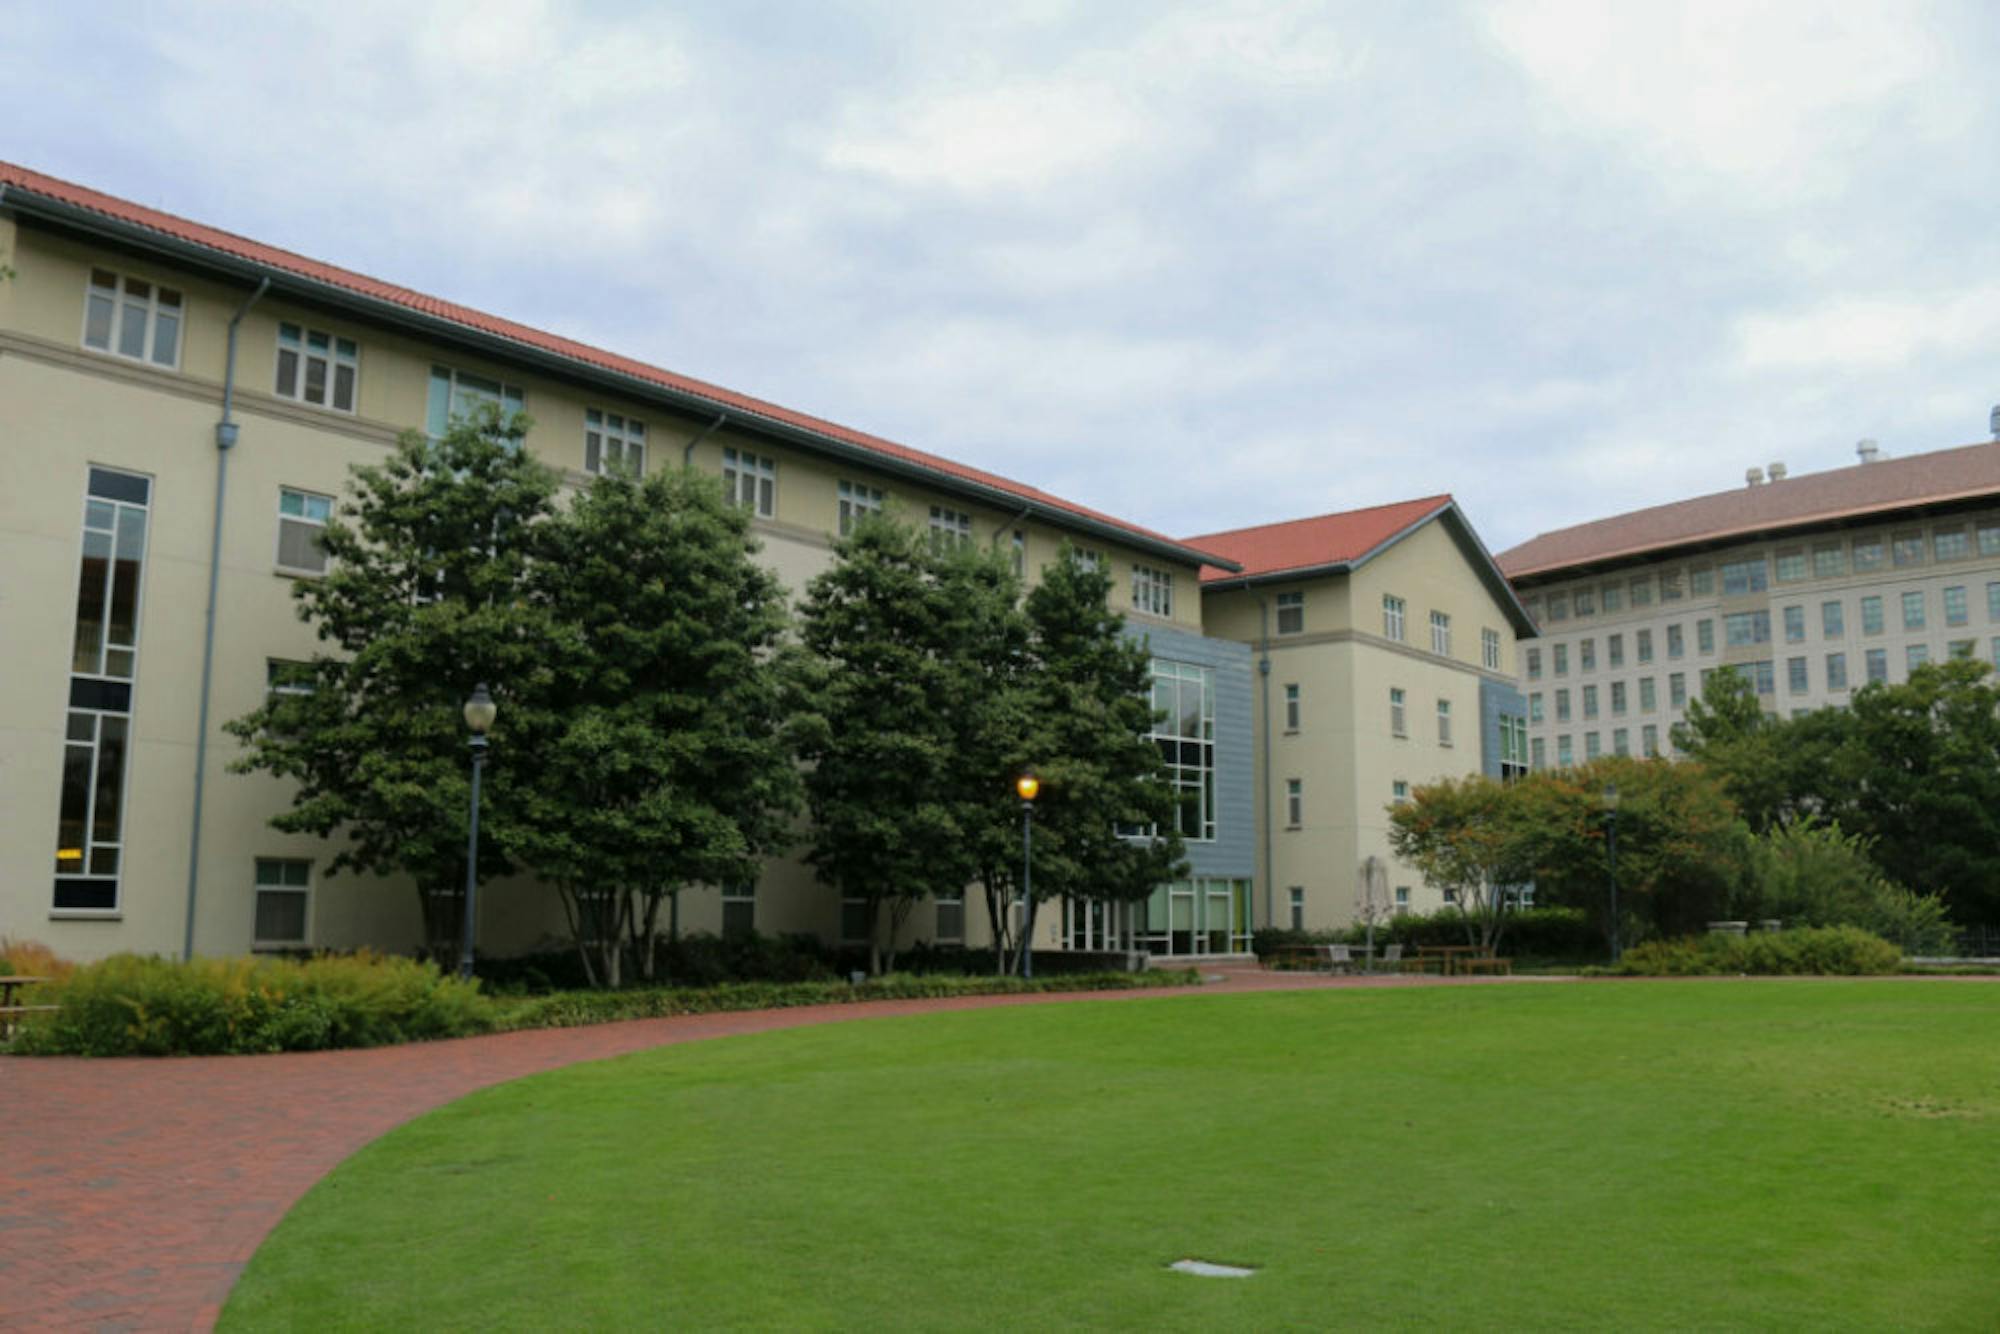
1810 586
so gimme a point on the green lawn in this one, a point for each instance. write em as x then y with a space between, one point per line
1672 1155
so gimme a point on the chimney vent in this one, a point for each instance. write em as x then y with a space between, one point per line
1776 472
1754 477
1867 451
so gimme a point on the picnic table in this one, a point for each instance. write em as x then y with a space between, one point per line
10 1010
1449 958
1314 956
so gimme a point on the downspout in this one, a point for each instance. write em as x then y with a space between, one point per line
225 440
687 460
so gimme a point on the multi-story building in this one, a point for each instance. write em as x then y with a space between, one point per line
179 409
1385 647
1811 586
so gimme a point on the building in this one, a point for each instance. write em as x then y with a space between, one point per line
1385 643
1810 585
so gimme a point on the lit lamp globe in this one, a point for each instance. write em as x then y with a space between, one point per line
1027 785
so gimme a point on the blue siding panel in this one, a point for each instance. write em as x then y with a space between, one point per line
1233 854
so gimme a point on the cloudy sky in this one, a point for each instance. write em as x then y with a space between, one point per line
1202 266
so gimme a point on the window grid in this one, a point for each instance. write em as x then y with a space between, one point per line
750 481
317 367
1152 590
283 897
1291 613
857 500
1441 634
133 318
1392 617
613 440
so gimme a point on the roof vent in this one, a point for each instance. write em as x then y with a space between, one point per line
1867 451
1754 477
1993 422
1776 472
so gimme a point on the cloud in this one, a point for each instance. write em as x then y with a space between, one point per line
1848 334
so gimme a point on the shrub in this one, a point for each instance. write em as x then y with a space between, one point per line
129 1005
25 958
1825 951
1550 933
1811 874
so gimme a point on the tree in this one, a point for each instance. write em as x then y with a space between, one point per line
664 765
426 596
1775 771
1467 836
1810 874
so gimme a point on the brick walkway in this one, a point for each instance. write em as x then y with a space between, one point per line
133 1191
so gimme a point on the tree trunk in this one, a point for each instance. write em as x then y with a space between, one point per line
573 912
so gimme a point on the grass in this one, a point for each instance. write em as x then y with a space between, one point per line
1632 1155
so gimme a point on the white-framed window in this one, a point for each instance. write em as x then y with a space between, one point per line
317 367
1295 802
302 517
1489 649
855 501
856 922
950 918
284 896
1402 897
1152 590
1291 613
285 677
1399 791
1291 707
1018 555
1392 617
1184 697
456 394
1296 896
750 481
1444 722
739 909
1089 558
1441 634
613 440
1399 718
950 528
131 317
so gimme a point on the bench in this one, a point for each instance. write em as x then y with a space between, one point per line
9 1013
1486 963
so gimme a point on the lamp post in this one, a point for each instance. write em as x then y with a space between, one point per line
1028 785
1611 852
479 714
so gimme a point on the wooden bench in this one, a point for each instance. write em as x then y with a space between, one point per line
1486 963
10 1012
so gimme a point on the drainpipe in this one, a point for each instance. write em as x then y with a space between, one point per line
225 440
687 455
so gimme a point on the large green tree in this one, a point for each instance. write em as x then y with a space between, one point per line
663 766
1471 837
427 595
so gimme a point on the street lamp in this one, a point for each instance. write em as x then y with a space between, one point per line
1611 851
479 714
1028 786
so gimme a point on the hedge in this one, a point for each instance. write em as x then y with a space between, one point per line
1546 933
1845 951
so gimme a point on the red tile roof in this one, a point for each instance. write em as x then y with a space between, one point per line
1857 492
18 178
1304 544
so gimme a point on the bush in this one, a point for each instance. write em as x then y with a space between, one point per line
1811 874
129 1005
25 958
1825 951
1548 933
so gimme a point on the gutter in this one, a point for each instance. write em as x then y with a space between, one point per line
573 368
225 440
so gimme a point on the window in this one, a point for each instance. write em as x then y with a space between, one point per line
1533 606
1489 649
1621 741
1585 602
302 519
857 923
951 529
1441 634
1614 650
1152 590
951 917
1296 895
1704 635
1795 675
1399 791
1915 656
1402 897
1907 549
1586 655
1832 620
317 367
1993 602
1649 740
1291 708
1444 722
1392 617
1795 625
1829 562
1591 746
1558 607
1746 627
1561 652
1950 544
1295 803
1089 558
613 440
1398 719
1677 689
1867 554
1589 702
1649 695
103 661
1676 641
1954 605
1184 693
132 318
1913 610
1960 648
1291 613
1743 577
1640 592
1791 565
1534 655
1642 645
1535 707
1878 665
1611 597
457 395
1701 581
1871 615
283 886
1539 750
857 500
1617 697
1562 705
1836 671
750 481
1513 746
282 677
1670 585
1988 533
1565 751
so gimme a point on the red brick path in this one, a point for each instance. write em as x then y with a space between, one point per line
133 1191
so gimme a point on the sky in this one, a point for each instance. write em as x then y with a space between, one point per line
1202 266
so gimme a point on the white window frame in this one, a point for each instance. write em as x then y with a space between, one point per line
1152 591
613 440
942 901
1489 649
304 519
338 353
734 896
1295 803
1293 711
1291 613
1441 634
950 529
1393 618
1399 713
462 396
259 888
750 482
1399 791
856 500
1295 899
1444 722
150 306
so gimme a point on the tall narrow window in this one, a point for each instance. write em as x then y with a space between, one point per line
1296 898
612 440
103 661
283 886
1444 722
1291 613
1441 634
857 500
739 909
302 519
1018 553
131 317
1152 590
317 367
1489 649
1392 617
950 917
1184 693
1295 802
1291 708
1398 714
750 481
